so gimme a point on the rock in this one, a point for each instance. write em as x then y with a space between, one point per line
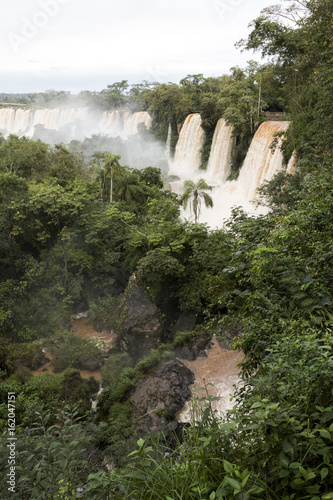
185 322
91 364
196 348
139 322
157 399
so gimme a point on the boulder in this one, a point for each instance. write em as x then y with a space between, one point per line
157 399
139 322
91 363
185 322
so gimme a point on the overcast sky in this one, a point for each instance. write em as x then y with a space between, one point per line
85 45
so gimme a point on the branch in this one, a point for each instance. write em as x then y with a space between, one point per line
136 230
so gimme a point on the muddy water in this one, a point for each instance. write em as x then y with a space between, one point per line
218 368
84 331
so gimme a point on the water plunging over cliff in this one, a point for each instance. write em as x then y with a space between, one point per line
188 150
219 163
76 122
261 163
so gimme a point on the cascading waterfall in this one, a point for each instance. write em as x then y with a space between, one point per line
219 163
261 161
188 150
133 121
168 142
112 123
78 122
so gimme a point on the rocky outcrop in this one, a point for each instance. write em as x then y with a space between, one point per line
185 322
195 349
91 363
157 399
139 322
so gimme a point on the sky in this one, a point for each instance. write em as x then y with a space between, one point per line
79 45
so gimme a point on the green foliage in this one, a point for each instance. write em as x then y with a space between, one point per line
196 191
101 312
114 367
26 354
149 362
50 461
70 351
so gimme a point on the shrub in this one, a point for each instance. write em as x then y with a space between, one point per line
113 368
101 313
69 351
24 354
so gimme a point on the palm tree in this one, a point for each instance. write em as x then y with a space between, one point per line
128 188
112 163
197 193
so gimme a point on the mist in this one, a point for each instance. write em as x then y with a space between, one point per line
90 130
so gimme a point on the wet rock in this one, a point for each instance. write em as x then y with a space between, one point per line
185 322
139 322
94 386
91 364
157 399
195 348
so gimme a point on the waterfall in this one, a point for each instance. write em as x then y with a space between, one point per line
291 167
76 123
112 123
261 162
219 163
132 122
168 142
188 150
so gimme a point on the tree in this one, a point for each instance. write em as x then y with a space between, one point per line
112 164
196 191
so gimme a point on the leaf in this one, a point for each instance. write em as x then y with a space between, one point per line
235 484
257 404
287 447
228 467
323 473
324 433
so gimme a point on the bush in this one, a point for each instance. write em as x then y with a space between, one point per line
70 351
24 354
101 313
113 368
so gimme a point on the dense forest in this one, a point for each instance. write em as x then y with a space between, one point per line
92 235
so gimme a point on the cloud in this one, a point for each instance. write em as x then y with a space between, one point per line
72 39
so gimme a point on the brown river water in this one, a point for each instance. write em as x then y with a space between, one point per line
218 368
84 331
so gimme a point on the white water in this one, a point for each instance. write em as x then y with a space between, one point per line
219 163
187 157
76 123
261 163
218 368
168 142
